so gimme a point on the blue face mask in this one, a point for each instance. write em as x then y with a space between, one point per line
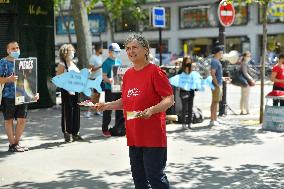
117 58
15 54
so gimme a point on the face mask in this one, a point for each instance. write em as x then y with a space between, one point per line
15 54
72 55
116 54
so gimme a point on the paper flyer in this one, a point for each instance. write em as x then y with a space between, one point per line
26 85
133 115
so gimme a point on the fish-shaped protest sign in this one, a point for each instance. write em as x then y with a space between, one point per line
78 82
192 81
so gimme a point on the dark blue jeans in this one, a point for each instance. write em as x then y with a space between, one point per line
147 167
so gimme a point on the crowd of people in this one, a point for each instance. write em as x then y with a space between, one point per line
141 106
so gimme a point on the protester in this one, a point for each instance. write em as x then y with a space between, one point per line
146 95
70 120
186 96
277 77
96 71
245 90
216 73
9 109
114 51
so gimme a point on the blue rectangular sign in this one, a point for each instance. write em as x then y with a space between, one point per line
97 24
159 17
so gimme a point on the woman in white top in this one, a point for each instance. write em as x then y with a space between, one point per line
70 120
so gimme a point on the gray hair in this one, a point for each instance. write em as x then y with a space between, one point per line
64 50
140 40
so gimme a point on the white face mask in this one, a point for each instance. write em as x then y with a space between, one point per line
72 55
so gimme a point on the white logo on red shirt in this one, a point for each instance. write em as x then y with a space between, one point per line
133 92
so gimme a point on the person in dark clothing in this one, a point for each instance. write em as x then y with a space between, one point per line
186 96
114 51
70 120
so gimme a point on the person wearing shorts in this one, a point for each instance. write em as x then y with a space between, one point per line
216 73
9 109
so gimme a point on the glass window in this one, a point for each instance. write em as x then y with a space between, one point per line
275 13
197 16
155 44
241 11
206 16
126 23
147 23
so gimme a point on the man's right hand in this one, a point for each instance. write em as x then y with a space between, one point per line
12 78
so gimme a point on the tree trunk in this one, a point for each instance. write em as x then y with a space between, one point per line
83 35
111 25
263 59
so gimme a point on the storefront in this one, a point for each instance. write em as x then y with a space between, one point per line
31 23
202 46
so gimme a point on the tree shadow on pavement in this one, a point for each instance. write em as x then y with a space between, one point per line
226 135
199 174
79 179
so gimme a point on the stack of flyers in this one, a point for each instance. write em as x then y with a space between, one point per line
86 103
133 115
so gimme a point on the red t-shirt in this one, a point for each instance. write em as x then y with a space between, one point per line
141 90
280 74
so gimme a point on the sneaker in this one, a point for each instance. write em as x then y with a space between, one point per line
184 126
24 147
77 138
99 114
213 123
15 148
67 137
106 133
220 121
88 114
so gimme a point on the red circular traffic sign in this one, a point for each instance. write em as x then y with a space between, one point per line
226 13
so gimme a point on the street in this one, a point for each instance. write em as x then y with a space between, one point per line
236 154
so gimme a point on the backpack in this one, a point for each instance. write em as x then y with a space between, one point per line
197 116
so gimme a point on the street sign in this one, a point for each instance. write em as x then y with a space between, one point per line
226 13
159 17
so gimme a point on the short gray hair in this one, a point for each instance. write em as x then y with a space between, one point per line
140 40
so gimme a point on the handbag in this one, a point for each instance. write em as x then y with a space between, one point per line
239 79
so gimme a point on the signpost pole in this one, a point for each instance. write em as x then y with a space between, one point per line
160 45
226 14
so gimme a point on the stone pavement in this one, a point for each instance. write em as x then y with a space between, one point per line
236 154
230 155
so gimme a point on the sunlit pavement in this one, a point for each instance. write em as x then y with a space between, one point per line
236 154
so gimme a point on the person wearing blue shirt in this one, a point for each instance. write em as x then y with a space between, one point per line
217 79
9 109
114 51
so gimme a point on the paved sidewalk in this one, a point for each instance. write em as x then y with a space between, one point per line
230 155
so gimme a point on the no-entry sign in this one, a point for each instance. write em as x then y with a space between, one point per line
226 13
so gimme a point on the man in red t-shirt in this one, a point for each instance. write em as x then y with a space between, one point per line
146 95
277 77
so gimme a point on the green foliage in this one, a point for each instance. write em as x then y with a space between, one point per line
115 8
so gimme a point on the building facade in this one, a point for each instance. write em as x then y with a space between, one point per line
192 28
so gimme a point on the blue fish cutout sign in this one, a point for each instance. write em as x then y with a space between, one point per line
78 82
192 81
